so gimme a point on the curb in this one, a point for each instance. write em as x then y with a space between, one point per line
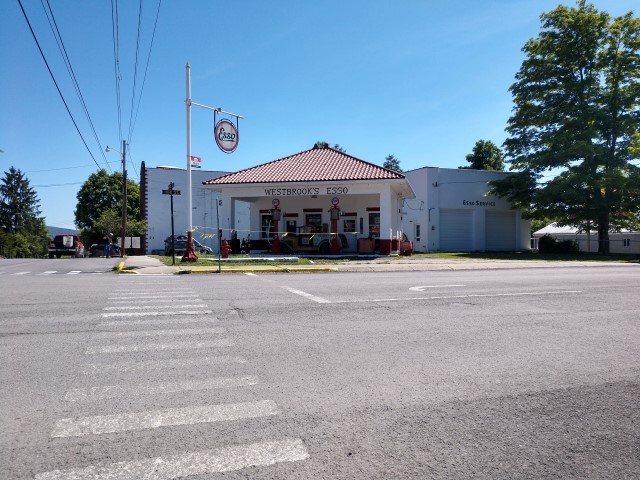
253 269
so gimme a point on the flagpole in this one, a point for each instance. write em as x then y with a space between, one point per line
188 102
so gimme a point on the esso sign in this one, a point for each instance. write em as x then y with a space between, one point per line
226 135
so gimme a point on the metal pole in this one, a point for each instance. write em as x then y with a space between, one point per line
173 245
218 227
124 197
188 102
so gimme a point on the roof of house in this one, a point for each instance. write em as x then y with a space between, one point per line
319 164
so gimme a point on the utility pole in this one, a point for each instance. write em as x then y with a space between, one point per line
124 197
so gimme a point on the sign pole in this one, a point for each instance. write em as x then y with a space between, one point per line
189 255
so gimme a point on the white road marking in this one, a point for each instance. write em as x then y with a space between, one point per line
156 321
74 272
161 333
156 290
95 368
101 424
250 274
226 459
146 297
158 300
21 273
424 287
155 314
447 297
149 347
48 272
147 307
307 295
113 391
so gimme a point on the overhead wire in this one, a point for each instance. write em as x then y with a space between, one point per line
63 51
116 58
55 82
134 110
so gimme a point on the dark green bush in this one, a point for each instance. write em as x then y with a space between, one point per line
548 244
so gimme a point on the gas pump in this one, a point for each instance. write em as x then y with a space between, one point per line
335 216
276 213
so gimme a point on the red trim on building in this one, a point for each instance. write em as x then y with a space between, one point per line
373 209
290 215
312 210
349 214
264 210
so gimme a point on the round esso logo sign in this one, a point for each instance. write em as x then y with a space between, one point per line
226 135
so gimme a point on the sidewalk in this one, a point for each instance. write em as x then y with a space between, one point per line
153 266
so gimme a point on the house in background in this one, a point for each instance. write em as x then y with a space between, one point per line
619 242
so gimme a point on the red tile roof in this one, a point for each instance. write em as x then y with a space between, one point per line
320 164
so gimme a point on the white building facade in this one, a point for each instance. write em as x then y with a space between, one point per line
206 219
438 209
453 211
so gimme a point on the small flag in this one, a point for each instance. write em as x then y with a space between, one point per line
196 162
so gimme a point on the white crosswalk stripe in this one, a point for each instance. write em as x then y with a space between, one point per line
149 307
161 333
113 391
226 459
148 347
96 368
21 273
156 321
74 272
150 314
101 424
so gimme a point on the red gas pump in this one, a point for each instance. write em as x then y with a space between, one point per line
275 217
335 216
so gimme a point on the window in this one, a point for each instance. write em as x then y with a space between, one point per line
291 226
374 224
417 233
626 242
314 219
349 226
266 224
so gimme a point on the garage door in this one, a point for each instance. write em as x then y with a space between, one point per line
500 228
456 230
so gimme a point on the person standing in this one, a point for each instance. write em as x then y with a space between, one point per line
108 240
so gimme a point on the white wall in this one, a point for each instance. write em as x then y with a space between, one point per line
203 208
441 191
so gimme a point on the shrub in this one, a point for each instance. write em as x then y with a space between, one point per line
548 244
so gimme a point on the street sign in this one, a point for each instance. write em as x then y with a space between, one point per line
171 192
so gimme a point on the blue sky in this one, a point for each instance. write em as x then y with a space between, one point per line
422 80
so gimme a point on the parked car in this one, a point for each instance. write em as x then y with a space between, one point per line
97 250
66 245
180 242
306 239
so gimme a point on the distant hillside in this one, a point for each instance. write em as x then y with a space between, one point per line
53 231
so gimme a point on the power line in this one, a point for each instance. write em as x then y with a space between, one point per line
116 59
55 82
70 71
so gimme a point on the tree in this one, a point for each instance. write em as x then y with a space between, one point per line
19 205
485 155
24 231
392 163
326 145
577 107
101 193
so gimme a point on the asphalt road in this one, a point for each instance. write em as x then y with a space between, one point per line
530 373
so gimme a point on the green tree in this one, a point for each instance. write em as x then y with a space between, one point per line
485 155
392 163
25 232
326 145
102 192
577 105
